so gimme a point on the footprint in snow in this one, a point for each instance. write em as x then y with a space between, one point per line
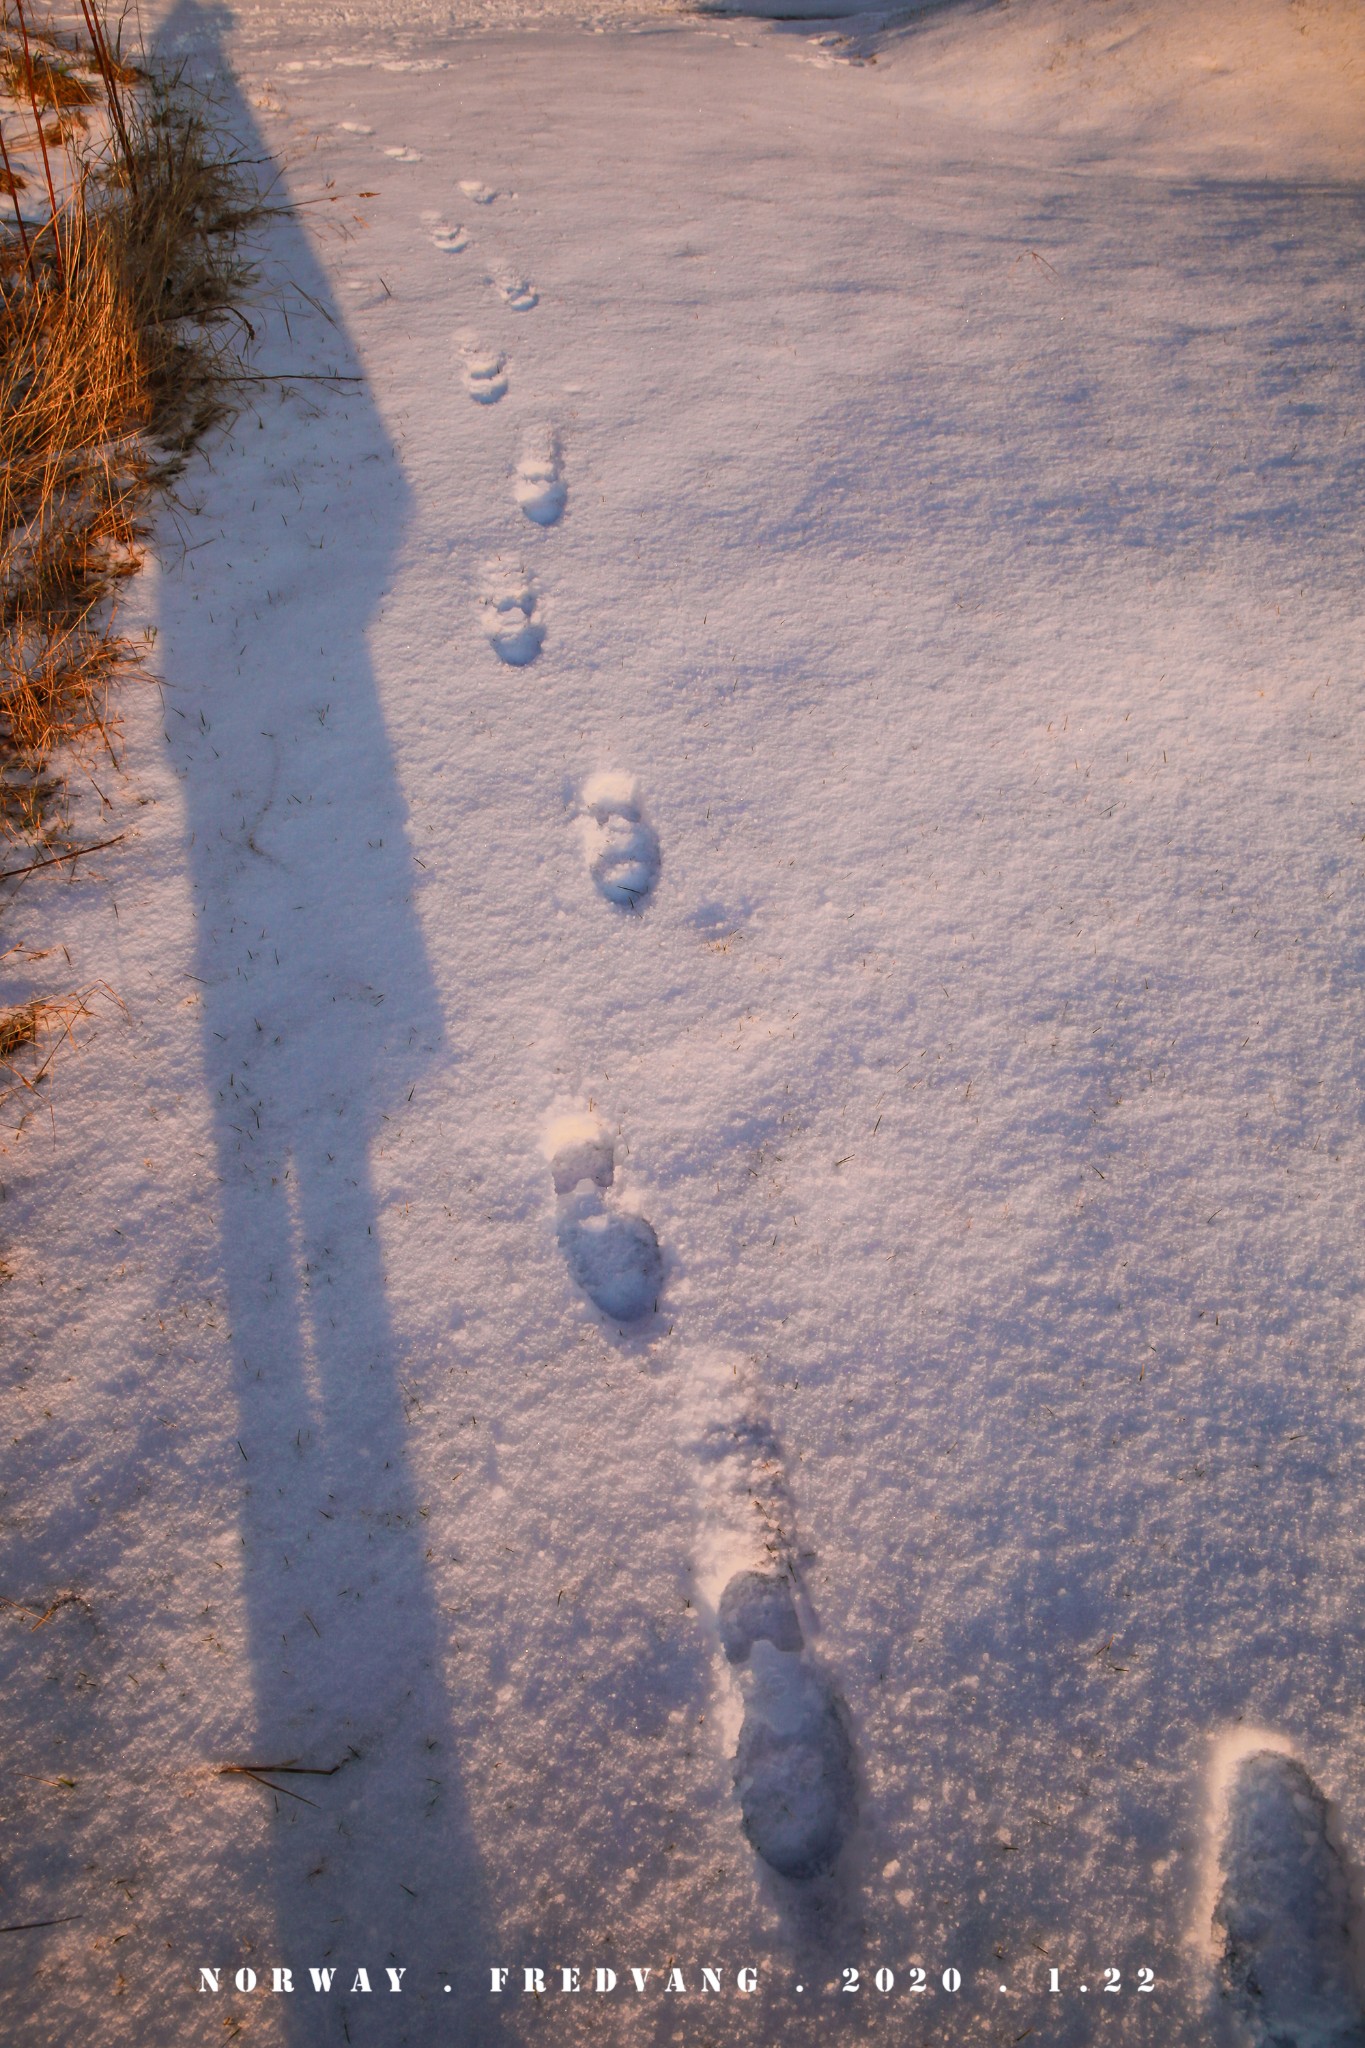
508 606
520 296
620 845
794 1770
482 195
449 240
405 156
540 489
485 375
1283 1913
355 128
794 1760
611 1252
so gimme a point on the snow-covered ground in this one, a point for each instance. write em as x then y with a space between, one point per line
897 525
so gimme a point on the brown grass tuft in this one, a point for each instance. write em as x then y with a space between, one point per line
120 328
17 1028
181 204
49 1020
74 401
44 79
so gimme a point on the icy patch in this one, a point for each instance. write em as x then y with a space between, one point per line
1282 1915
482 195
485 375
508 617
612 1253
520 296
620 846
794 1769
449 240
403 155
540 489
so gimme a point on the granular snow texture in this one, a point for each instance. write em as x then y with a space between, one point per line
958 566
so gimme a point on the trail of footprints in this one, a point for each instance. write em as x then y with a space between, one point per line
509 606
792 1757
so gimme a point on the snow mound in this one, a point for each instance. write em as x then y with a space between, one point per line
1266 85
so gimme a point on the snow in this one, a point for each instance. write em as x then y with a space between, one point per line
1268 87
799 1019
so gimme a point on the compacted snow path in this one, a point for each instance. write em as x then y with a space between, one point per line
714 1278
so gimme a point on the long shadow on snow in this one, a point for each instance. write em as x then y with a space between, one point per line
318 1004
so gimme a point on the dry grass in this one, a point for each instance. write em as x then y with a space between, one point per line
43 65
120 322
40 1029
74 405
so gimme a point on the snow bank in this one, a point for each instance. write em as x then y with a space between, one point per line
1274 87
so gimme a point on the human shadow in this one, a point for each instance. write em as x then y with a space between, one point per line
318 1009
